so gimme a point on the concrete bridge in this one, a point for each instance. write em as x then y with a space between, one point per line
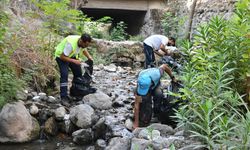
135 13
136 5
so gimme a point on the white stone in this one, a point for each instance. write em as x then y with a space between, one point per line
110 68
36 98
51 99
33 109
60 113
43 96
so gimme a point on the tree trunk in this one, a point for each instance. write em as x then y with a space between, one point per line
190 21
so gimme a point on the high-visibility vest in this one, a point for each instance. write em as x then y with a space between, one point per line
73 40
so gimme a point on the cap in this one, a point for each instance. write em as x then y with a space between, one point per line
144 83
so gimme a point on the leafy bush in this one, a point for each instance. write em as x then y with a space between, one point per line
218 61
34 56
118 33
136 38
3 27
9 83
58 15
172 24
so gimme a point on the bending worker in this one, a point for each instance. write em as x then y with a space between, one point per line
148 85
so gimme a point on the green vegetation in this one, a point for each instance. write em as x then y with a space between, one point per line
215 71
58 15
118 33
9 83
3 27
172 25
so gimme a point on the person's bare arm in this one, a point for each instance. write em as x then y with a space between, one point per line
159 54
162 47
169 72
138 100
86 53
68 59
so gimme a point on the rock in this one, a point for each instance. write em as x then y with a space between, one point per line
148 134
98 100
34 94
52 99
117 104
33 109
36 98
100 144
81 115
165 130
66 126
29 96
160 143
179 133
118 143
110 68
139 144
129 124
44 114
96 68
17 125
111 120
22 95
91 148
51 126
120 131
99 128
43 96
82 136
121 70
60 113
178 141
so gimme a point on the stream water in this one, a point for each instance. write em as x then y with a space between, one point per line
52 144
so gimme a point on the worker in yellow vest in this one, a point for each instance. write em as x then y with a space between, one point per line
67 56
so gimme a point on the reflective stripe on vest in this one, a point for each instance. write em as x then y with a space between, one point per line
73 40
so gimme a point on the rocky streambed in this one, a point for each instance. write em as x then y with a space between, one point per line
102 120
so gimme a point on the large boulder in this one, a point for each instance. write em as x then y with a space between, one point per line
83 136
82 115
164 129
119 143
123 51
140 144
17 125
98 100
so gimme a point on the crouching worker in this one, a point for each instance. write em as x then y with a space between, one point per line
67 56
148 85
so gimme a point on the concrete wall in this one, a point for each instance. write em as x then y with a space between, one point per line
205 10
125 4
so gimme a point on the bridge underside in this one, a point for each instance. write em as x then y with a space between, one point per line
133 19
141 5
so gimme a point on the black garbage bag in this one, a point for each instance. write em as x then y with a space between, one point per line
81 85
169 104
171 62
77 90
88 71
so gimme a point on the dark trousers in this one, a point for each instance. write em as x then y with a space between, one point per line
64 71
149 56
145 112
157 95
